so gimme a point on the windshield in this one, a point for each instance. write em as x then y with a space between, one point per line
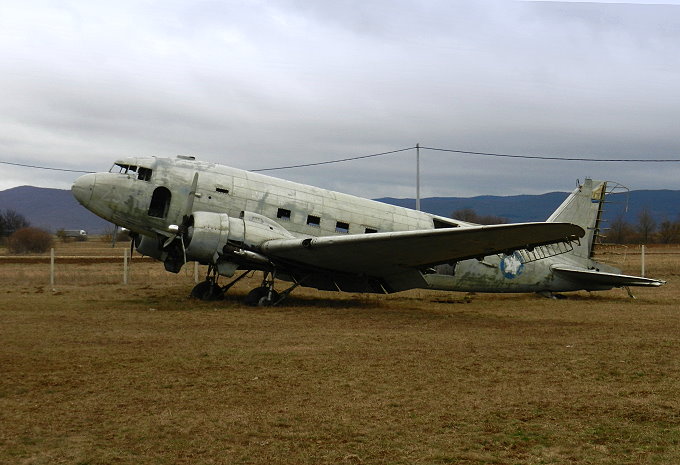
122 168
143 174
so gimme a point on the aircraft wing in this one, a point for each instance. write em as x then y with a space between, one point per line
606 279
397 257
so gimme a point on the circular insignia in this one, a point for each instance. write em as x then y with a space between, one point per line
511 265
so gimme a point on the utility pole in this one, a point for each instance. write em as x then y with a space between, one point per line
418 176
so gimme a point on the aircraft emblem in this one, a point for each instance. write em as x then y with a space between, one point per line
512 266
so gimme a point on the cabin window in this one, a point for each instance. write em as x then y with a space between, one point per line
160 202
144 174
371 230
221 190
283 214
342 227
314 221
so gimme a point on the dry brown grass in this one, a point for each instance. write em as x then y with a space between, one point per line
94 372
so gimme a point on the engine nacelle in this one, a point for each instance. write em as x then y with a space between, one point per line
208 234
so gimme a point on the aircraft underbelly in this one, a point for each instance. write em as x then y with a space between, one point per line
493 275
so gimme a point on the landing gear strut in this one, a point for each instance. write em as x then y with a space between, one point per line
265 295
209 289
630 293
262 297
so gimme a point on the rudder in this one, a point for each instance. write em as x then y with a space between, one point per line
583 207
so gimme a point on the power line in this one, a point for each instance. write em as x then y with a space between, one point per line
391 152
541 157
44 167
334 161
487 154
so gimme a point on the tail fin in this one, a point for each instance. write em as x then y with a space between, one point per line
584 208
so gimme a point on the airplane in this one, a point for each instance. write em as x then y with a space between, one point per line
551 269
180 210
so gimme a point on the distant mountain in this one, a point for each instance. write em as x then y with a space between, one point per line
51 209
661 204
54 209
517 208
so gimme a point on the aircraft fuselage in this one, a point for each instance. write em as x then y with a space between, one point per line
149 195
125 199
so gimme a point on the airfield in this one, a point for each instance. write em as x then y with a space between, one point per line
98 372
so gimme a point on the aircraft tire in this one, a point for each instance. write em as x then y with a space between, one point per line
259 297
207 290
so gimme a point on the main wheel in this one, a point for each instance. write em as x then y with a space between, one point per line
259 297
207 290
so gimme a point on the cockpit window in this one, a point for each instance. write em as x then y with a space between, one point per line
122 168
143 174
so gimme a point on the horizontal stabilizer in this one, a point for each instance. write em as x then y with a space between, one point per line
606 279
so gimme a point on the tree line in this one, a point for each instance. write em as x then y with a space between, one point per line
646 230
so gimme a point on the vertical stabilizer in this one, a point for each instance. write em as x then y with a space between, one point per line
584 208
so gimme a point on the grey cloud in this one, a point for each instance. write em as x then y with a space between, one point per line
256 84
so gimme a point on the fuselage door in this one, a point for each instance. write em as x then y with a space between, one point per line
160 202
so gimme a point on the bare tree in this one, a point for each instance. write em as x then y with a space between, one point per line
11 221
619 231
669 232
646 226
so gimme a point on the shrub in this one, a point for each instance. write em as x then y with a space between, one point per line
122 235
30 240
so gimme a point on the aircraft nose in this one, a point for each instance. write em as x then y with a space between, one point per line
82 188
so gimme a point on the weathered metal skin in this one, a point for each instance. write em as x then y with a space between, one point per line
229 209
488 275
210 232
184 210
124 199
503 273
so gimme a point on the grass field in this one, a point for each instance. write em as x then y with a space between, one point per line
97 372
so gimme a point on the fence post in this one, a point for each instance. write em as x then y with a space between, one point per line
642 260
125 266
52 266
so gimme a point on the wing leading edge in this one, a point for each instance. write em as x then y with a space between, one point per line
604 279
397 257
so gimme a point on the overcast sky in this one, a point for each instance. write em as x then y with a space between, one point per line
257 84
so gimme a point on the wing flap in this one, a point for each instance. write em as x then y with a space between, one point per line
606 279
